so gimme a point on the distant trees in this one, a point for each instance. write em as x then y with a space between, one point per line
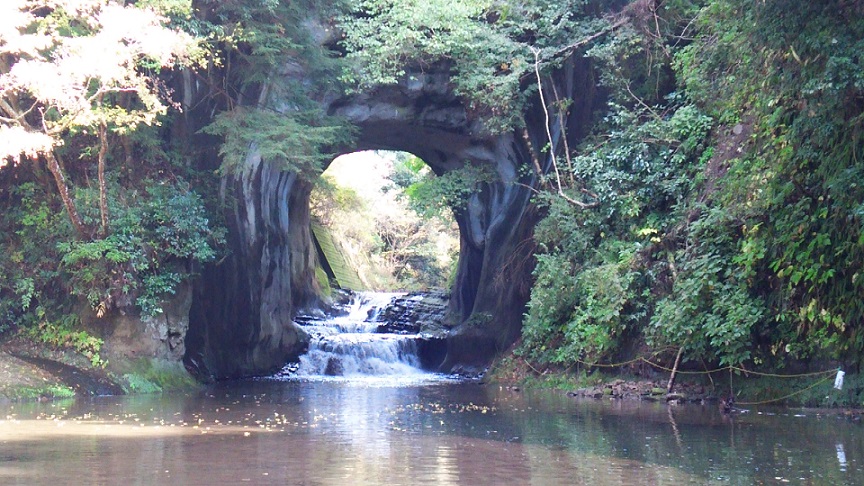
393 242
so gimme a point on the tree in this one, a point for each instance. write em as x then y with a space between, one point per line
74 68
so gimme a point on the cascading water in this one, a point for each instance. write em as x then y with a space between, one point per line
349 346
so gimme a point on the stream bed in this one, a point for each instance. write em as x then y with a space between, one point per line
358 409
276 431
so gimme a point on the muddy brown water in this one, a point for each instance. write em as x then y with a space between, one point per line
422 430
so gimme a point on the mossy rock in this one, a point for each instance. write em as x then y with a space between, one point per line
155 376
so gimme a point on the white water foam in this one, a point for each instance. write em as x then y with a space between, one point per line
348 347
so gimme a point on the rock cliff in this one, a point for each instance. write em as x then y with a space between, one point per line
241 320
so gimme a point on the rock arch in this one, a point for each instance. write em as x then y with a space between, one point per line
241 318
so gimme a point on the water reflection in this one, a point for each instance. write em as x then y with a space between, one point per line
323 433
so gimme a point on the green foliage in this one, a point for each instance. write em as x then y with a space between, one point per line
152 231
66 333
155 288
387 35
580 314
436 197
295 141
328 197
411 247
793 73
589 293
134 383
156 222
408 170
154 376
162 224
599 316
29 392
59 81
323 282
255 39
711 310
486 45
478 319
371 221
430 197
29 268
746 252
595 270
264 40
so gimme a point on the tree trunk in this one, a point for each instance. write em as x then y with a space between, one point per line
103 192
674 370
63 189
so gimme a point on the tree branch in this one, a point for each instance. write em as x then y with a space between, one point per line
7 108
586 40
639 100
564 138
561 192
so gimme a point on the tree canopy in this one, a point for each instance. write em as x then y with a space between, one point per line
82 83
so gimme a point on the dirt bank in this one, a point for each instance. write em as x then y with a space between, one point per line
20 379
31 371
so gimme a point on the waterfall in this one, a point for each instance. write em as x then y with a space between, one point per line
349 345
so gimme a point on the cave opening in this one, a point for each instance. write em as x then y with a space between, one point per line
379 223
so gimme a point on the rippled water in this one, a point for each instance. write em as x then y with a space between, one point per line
379 431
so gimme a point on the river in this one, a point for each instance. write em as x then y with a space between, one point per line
391 426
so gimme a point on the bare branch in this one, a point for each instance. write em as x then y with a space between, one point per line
7 108
582 42
564 137
639 100
529 187
552 158
592 37
63 188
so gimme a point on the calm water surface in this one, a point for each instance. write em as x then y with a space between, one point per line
381 431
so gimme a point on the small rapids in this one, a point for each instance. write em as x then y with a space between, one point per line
350 345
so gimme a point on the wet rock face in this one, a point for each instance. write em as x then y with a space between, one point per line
334 367
423 314
241 318
416 313
131 337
